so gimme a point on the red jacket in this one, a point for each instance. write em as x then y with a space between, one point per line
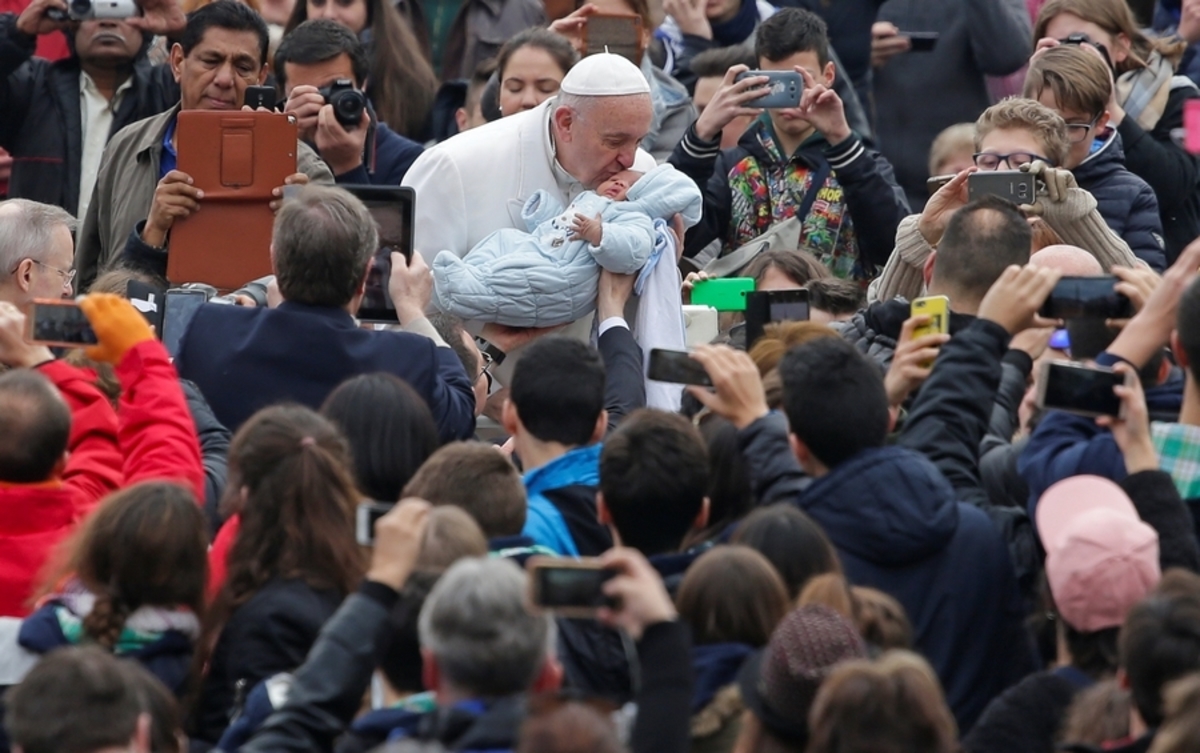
152 438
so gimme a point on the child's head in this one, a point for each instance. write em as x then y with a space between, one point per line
617 187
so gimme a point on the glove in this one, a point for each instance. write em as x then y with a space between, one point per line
1058 182
118 326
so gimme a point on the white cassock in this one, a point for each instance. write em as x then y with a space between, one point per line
475 183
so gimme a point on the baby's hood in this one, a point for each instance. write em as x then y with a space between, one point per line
665 192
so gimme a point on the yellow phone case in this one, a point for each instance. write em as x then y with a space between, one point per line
938 308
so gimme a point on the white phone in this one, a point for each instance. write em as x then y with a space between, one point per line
701 325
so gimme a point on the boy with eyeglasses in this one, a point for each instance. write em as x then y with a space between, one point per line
1012 134
1074 81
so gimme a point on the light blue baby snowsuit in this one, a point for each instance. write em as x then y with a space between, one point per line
542 278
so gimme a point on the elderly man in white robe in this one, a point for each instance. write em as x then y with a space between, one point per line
477 182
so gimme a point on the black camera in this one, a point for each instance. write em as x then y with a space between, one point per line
348 102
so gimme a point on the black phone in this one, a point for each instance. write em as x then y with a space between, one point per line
1079 389
364 520
149 300
1013 185
180 307
58 323
764 307
260 96
1087 297
569 587
676 366
921 41
392 209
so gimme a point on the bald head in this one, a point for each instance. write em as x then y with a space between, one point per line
1071 261
34 427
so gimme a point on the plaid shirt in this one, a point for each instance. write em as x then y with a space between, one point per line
1178 448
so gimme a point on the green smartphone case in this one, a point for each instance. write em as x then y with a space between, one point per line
728 294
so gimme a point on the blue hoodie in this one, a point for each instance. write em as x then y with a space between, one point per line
562 502
897 526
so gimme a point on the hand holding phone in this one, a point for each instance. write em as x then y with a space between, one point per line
1012 185
1131 430
738 394
772 306
637 588
260 96
397 542
922 41
676 367
15 349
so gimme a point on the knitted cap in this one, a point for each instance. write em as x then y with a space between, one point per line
780 683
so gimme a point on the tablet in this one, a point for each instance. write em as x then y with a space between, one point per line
392 209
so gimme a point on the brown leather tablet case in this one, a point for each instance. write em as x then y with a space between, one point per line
237 159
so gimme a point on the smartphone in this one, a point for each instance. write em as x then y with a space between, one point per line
677 367
921 41
568 587
769 306
392 209
1079 389
700 324
935 183
149 300
1013 185
1191 126
1086 297
58 323
727 294
937 307
180 306
260 96
364 520
782 90
618 33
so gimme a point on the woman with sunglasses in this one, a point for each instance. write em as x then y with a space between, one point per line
1076 84
1147 105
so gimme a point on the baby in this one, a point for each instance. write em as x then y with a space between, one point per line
548 275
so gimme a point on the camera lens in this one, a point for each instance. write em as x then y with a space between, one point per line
348 107
81 8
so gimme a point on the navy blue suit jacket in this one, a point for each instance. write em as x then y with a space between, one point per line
244 359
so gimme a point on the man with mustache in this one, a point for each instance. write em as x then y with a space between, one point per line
139 194
55 118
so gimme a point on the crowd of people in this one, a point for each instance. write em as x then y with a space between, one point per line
285 528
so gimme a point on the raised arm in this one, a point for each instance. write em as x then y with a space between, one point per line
157 435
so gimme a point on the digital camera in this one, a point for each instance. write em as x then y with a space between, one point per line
88 10
348 102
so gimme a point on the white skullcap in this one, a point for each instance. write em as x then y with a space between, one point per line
604 75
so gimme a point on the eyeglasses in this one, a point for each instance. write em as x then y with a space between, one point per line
1077 132
67 275
486 371
991 161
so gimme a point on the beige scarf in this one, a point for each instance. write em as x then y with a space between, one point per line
1143 93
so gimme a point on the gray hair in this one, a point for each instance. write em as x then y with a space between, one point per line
27 232
478 629
324 239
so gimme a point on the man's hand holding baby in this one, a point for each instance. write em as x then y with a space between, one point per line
587 228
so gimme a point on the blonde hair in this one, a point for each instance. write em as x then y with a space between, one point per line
1115 17
956 138
1079 80
1181 730
1016 113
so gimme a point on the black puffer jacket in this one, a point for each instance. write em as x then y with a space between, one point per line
1171 172
1125 201
40 118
